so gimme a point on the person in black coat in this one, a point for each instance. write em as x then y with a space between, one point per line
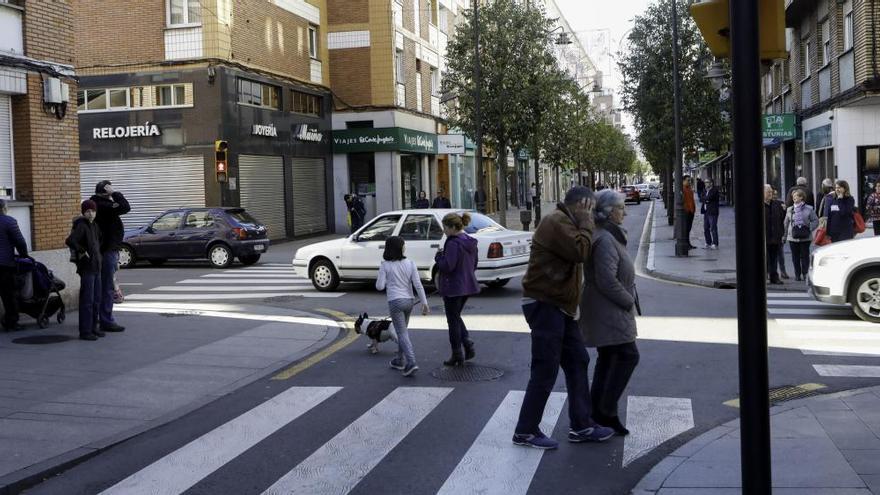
422 203
11 241
357 210
802 185
839 210
774 225
84 242
710 209
110 206
441 201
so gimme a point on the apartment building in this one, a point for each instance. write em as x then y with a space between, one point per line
163 82
822 104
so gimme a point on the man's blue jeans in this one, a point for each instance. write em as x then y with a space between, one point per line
109 265
710 229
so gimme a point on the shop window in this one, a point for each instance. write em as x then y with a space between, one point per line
184 12
306 103
259 94
313 42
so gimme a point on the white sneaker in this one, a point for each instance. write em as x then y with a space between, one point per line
713 246
707 246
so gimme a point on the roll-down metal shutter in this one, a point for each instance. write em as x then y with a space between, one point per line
151 185
309 196
6 167
261 181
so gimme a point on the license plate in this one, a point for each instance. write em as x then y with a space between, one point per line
259 247
518 250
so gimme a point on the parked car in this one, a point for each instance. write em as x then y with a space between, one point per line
218 234
503 253
632 194
848 272
644 192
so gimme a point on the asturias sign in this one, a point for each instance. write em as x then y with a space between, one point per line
778 126
145 130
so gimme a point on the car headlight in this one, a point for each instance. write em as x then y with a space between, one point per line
833 259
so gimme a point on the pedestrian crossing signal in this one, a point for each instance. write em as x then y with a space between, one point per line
713 19
221 163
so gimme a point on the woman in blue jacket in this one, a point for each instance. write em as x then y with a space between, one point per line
839 210
456 265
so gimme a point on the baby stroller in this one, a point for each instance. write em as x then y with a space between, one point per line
38 292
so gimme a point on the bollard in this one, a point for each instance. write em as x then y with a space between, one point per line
525 217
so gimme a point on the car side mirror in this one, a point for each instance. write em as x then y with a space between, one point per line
150 230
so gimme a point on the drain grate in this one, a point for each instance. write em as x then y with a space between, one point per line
467 373
178 314
41 339
792 392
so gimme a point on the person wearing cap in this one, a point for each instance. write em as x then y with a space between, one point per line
110 206
11 241
84 242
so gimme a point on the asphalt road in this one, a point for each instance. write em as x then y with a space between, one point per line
355 441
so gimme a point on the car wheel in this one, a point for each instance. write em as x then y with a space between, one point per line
249 260
324 276
158 261
497 284
126 257
864 295
220 256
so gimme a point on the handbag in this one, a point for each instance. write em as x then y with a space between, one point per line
821 237
859 222
800 232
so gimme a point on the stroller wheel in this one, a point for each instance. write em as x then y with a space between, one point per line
43 321
61 316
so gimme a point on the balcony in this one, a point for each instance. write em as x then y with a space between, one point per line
847 71
183 43
825 83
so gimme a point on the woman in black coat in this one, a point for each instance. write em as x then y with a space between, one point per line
839 210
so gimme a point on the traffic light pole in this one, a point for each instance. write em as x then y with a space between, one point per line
751 265
682 236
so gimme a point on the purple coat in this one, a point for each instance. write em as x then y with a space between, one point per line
457 264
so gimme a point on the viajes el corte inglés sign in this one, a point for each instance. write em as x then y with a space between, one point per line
145 130
384 139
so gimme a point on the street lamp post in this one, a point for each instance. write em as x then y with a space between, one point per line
682 241
478 117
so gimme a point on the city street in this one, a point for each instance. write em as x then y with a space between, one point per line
347 423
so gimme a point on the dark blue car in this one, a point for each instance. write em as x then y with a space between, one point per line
218 234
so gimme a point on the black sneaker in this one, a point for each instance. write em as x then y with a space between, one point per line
88 336
536 441
99 333
410 369
396 364
113 327
595 433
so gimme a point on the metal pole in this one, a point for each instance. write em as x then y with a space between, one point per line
682 240
478 120
538 195
751 291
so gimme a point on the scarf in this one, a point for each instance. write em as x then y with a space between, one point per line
615 230
799 213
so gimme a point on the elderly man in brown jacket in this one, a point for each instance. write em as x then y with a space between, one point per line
551 295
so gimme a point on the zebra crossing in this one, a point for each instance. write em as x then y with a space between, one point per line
490 465
253 282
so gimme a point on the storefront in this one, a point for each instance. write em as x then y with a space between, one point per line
151 139
781 163
462 169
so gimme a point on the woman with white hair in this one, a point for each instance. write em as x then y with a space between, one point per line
608 309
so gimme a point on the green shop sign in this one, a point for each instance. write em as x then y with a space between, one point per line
384 139
778 126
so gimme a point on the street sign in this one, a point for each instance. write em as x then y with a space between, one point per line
778 126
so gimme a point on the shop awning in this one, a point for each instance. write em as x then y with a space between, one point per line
713 161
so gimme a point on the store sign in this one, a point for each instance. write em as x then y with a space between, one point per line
306 133
817 138
450 144
145 130
778 126
384 139
523 154
264 130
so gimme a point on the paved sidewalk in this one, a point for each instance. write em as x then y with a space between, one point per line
63 399
821 446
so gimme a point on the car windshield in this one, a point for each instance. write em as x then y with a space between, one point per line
243 217
481 223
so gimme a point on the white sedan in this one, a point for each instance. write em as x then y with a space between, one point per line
848 272
503 253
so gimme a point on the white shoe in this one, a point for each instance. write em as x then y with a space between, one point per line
713 246
707 246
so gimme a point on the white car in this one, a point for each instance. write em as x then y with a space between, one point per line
503 253
848 272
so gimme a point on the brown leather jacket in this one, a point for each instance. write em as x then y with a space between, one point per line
559 248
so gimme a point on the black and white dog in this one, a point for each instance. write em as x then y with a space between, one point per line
377 330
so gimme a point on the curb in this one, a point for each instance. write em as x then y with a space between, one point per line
652 482
18 481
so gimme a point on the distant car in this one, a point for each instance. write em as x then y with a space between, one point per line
218 234
503 253
632 194
848 272
644 192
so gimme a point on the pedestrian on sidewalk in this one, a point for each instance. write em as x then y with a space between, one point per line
839 210
397 277
533 197
701 188
783 272
84 242
774 225
608 309
11 241
872 208
690 209
826 193
551 298
801 184
356 210
710 211
456 269
441 201
422 203
800 222
110 206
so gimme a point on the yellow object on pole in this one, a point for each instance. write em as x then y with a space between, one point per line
713 19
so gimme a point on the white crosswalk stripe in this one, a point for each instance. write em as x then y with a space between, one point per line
791 305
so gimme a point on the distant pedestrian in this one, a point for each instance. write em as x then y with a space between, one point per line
800 222
397 277
872 208
690 209
533 197
456 267
84 242
780 258
422 203
11 241
801 184
480 200
826 192
608 309
551 297
774 225
441 201
110 206
710 210
357 210
839 210
701 188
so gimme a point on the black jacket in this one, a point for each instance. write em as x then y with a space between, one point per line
422 204
839 212
774 222
11 240
109 211
85 243
441 203
711 199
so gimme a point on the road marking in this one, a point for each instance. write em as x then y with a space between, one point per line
300 281
131 284
493 465
839 310
249 275
340 464
262 270
824 335
203 310
788 295
652 421
183 468
238 288
847 370
185 296
305 364
862 352
805 302
848 323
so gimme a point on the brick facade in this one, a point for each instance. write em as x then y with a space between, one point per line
270 38
348 11
99 24
350 72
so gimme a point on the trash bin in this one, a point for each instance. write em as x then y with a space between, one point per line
525 217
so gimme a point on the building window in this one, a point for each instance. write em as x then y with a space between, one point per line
397 12
134 98
398 64
259 94
313 41
805 58
847 26
435 82
824 43
184 12
306 103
